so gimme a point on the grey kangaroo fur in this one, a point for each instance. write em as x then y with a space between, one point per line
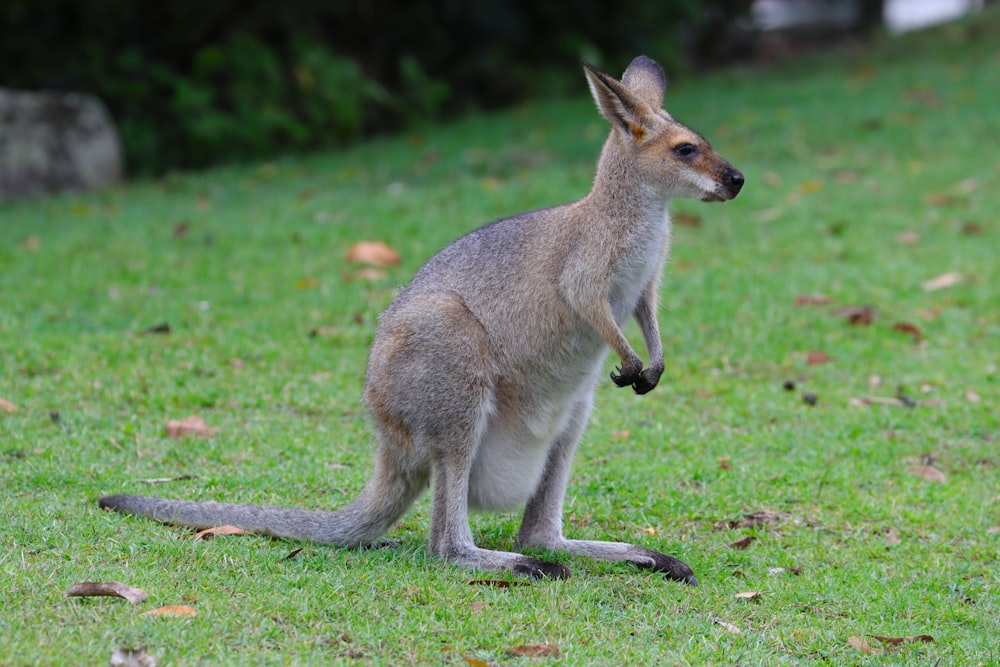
482 373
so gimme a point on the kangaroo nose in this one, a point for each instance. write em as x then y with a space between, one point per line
734 181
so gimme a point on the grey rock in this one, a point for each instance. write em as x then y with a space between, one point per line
52 142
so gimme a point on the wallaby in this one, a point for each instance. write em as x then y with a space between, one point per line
482 372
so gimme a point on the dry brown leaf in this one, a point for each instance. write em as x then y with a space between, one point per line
930 473
106 588
812 300
749 596
727 625
860 644
476 662
534 651
132 657
293 553
972 229
815 358
7 406
374 253
724 463
685 219
193 425
32 243
209 533
943 281
741 544
171 610
897 641
857 315
649 530
498 583
907 238
911 330
309 282
620 435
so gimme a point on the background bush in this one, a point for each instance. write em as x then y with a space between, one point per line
197 83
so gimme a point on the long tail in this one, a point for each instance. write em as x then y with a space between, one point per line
382 502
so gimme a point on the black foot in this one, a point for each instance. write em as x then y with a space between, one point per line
674 568
540 569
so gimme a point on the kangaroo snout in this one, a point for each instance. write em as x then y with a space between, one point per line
733 182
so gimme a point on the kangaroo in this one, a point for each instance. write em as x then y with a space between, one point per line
482 373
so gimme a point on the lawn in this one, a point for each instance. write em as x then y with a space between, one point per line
832 341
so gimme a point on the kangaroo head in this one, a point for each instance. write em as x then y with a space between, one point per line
673 159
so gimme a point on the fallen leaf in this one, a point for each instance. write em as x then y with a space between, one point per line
293 553
237 363
375 253
477 607
724 463
32 243
476 662
897 641
161 328
649 530
892 537
972 229
860 644
209 533
193 425
776 570
939 199
930 473
132 657
911 330
7 406
498 583
171 610
741 544
620 435
685 219
816 358
753 519
307 283
534 651
106 588
165 480
857 315
907 238
749 596
180 230
972 397
812 300
727 625
810 186
943 281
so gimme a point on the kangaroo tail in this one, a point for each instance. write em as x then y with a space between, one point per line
386 497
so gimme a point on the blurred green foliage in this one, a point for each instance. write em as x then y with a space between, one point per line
198 83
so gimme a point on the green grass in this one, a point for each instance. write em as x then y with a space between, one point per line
842 153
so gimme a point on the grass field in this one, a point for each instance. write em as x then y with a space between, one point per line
873 512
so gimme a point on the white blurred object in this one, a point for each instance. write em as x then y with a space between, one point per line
904 15
899 15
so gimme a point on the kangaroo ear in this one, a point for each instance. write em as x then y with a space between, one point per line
646 80
624 110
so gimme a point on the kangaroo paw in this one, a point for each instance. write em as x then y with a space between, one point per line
540 569
674 568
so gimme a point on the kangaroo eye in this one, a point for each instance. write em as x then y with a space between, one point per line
686 150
